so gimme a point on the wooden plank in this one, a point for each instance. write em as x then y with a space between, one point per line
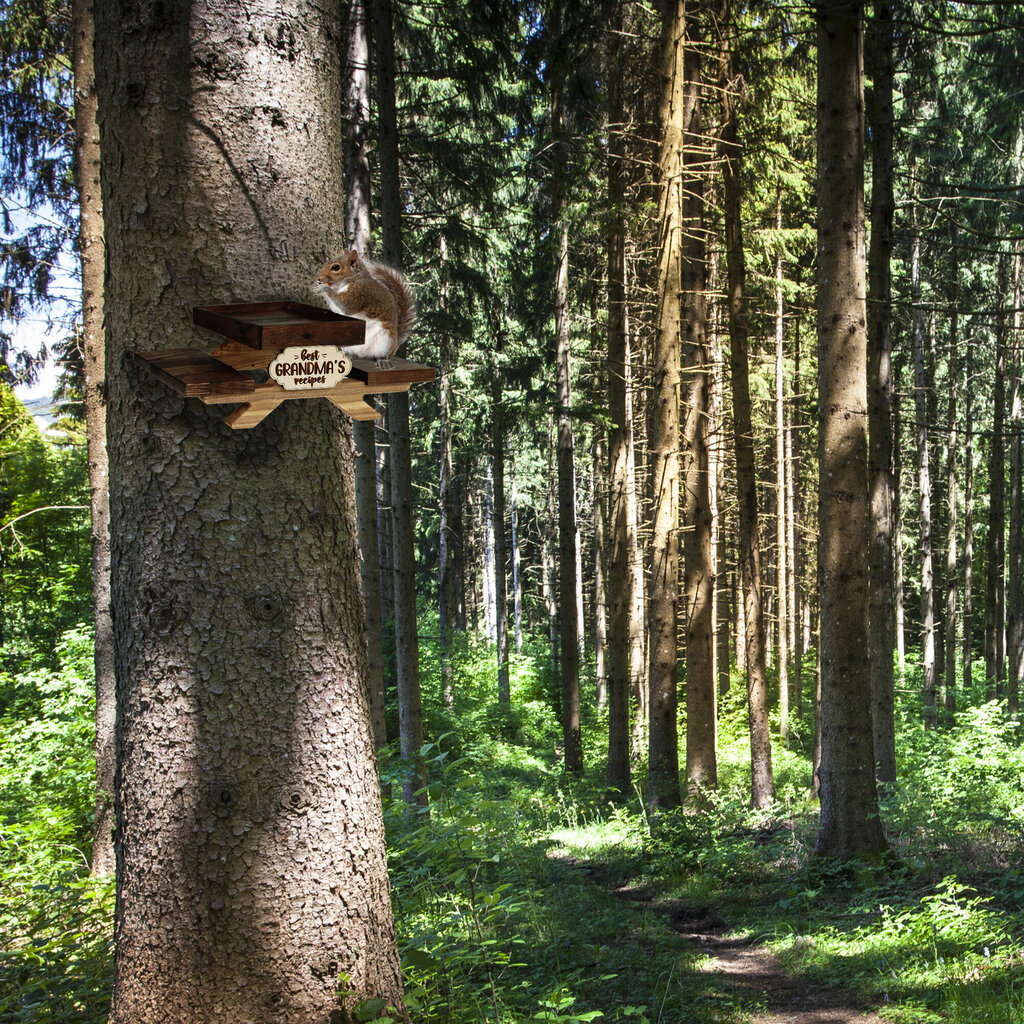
195 374
248 415
355 407
242 357
279 324
402 372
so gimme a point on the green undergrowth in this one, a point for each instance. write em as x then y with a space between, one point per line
525 895
55 922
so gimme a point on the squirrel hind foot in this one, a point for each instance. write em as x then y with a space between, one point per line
385 363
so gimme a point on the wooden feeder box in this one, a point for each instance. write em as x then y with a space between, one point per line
255 335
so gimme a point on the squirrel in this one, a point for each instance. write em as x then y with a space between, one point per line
373 292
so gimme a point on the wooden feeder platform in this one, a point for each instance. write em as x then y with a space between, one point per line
254 335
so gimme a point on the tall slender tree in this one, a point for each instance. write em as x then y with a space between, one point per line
849 825
883 204
749 541
364 432
407 654
698 570
924 477
663 427
91 253
619 450
568 579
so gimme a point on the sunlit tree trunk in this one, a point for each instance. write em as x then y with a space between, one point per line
897 524
995 550
600 584
698 569
924 481
849 825
568 553
1015 554
952 515
91 255
881 612
407 649
620 463
968 613
517 575
364 432
749 543
782 507
251 858
663 430
500 553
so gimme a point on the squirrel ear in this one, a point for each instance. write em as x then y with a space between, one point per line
353 258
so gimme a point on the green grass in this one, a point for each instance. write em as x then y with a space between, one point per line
508 897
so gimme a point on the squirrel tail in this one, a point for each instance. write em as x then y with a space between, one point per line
397 283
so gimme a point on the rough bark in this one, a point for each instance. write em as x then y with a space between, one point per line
749 542
924 484
952 512
663 428
403 534
246 778
620 466
995 566
782 506
357 233
967 671
568 579
449 536
517 575
849 825
91 255
1015 553
698 571
800 606
500 589
600 605
881 615
897 524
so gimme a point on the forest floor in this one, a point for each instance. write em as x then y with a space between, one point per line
744 973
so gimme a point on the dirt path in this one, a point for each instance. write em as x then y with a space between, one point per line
751 969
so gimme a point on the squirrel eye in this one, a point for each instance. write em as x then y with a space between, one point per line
335 267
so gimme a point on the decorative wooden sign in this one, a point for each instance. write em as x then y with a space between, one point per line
310 368
258 335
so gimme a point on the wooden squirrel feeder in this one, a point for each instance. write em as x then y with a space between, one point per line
304 338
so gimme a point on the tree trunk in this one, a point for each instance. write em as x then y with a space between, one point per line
568 581
968 638
897 523
952 523
698 570
91 250
780 477
449 537
800 606
364 432
246 773
849 825
924 481
620 466
1015 556
403 534
881 615
500 591
995 560
762 784
663 430
600 587
517 575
